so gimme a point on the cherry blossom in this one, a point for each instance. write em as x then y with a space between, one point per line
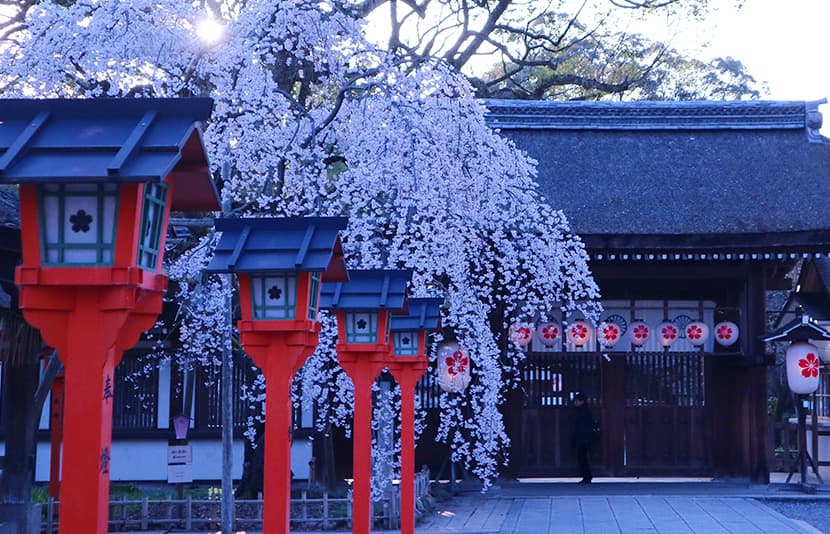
402 149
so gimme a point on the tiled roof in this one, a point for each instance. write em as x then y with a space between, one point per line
423 313
109 140
676 168
280 244
372 289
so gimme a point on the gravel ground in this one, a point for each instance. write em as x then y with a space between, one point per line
813 511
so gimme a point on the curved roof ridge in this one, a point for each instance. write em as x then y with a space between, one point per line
654 115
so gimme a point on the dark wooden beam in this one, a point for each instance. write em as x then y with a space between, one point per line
773 242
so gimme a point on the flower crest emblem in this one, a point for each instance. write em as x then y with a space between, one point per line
579 331
669 332
724 332
640 331
809 365
693 331
610 332
457 363
80 221
550 332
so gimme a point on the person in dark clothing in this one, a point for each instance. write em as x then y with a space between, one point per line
583 436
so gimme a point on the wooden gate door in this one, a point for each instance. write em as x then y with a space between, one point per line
549 380
650 406
666 428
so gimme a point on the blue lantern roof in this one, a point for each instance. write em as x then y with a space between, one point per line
424 313
281 244
800 329
109 140
367 290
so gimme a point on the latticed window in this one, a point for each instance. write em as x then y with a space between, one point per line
664 378
549 379
152 220
78 223
315 295
274 296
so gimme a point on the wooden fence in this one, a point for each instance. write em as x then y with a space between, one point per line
323 513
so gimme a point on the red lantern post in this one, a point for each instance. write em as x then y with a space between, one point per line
279 264
363 307
97 181
408 362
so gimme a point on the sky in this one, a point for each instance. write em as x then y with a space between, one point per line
785 43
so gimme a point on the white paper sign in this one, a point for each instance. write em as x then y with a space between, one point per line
179 454
179 473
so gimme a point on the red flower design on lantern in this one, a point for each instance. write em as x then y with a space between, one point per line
693 331
640 331
809 365
579 331
550 332
724 332
669 332
611 332
457 363
523 332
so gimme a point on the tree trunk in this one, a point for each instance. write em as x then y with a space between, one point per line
250 484
21 422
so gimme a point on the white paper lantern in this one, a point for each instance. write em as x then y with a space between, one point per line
726 333
667 333
638 333
697 333
521 333
608 333
453 367
549 333
578 333
802 368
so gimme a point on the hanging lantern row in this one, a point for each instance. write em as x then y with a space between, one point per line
609 333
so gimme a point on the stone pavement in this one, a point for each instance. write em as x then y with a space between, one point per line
676 514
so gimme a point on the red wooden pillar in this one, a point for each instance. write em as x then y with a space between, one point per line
279 354
363 368
89 325
408 374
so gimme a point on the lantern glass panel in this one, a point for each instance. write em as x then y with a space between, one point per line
314 296
78 223
152 222
274 296
361 327
406 343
